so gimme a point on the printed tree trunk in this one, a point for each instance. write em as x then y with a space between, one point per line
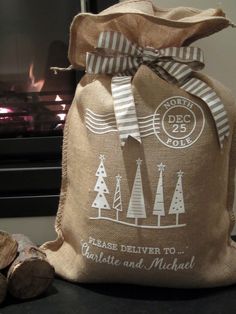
159 208
100 201
177 203
136 208
8 249
3 288
117 202
30 274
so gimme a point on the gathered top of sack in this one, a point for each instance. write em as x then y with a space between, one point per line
145 24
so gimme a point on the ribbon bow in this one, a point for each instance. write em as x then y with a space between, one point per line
117 55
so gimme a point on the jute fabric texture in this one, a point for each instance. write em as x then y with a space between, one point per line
157 212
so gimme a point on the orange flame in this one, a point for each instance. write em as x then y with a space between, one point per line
62 116
34 86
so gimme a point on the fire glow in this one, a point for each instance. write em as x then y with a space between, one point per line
62 116
5 111
34 86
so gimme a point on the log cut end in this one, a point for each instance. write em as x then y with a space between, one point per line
8 249
30 278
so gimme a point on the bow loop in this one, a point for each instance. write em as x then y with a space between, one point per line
191 56
174 72
118 43
117 55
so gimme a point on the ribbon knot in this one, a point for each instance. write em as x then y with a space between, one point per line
150 54
118 56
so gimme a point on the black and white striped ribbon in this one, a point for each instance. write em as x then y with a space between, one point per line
201 90
125 112
118 56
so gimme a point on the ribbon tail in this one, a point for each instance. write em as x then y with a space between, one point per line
124 108
201 90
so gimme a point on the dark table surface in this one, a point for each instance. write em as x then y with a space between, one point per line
67 298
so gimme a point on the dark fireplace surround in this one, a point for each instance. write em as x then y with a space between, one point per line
34 102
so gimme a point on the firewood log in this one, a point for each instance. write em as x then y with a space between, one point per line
30 274
8 249
3 288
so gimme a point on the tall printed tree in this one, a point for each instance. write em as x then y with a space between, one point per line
100 201
136 208
177 203
159 208
117 201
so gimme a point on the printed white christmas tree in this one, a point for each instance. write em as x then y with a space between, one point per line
100 201
177 203
136 208
117 201
159 208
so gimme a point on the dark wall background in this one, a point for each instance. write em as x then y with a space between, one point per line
99 5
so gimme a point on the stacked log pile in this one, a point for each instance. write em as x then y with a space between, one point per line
24 270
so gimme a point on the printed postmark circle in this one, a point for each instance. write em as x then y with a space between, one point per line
178 122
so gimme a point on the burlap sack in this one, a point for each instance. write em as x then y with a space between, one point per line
157 212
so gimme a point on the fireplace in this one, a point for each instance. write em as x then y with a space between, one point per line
34 101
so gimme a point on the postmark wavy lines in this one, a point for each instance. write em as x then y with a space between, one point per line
106 123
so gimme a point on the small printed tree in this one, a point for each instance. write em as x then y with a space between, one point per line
177 203
136 208
100 201
159 208
117 201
